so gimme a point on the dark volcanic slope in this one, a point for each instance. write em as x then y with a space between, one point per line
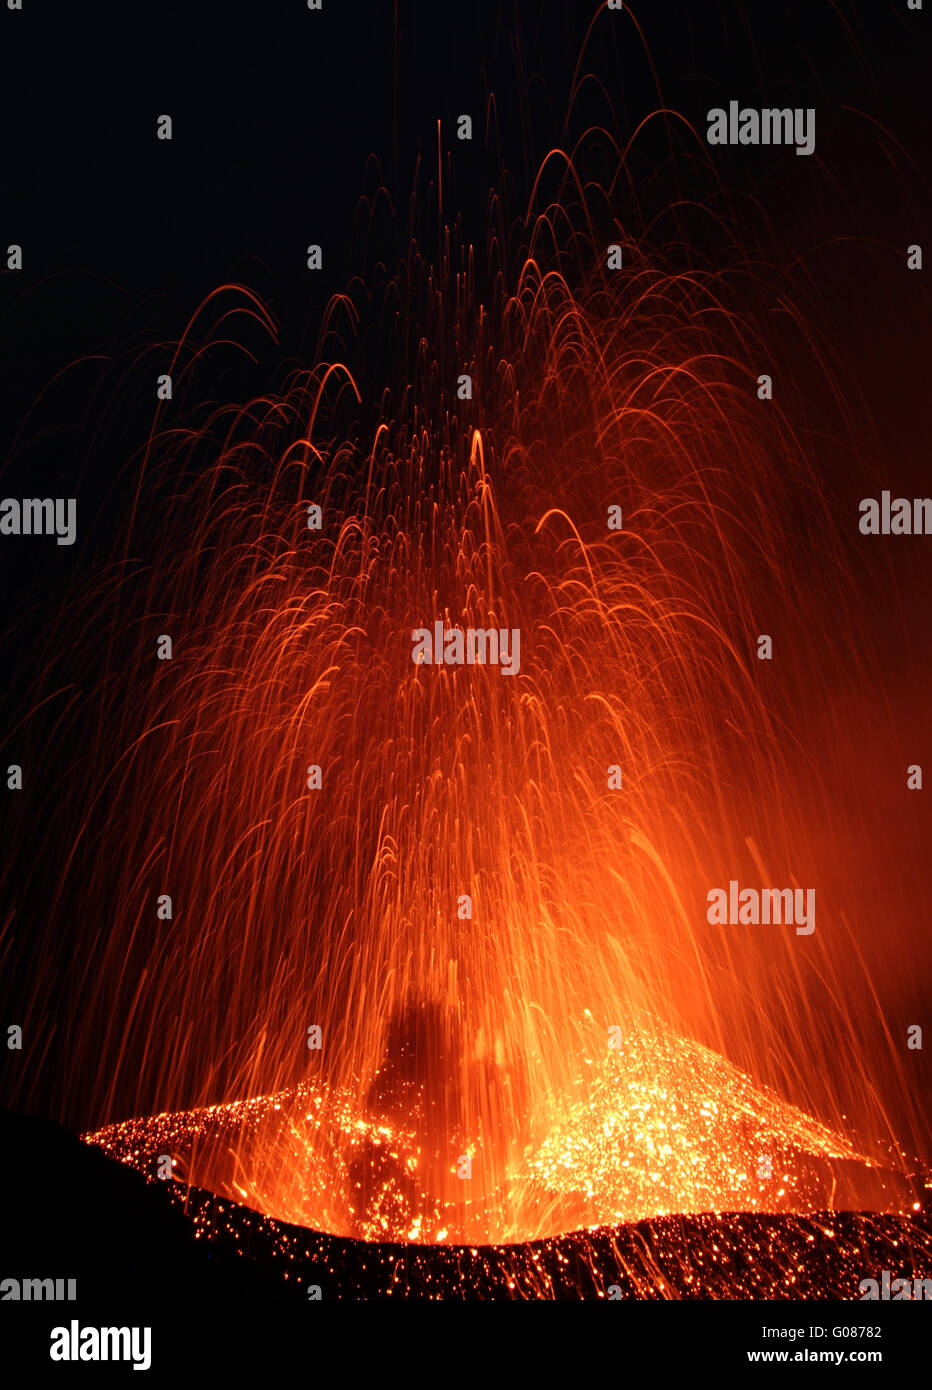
732 1256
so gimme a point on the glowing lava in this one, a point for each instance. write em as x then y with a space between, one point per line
666 1127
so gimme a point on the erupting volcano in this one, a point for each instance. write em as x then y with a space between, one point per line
436 952
418 951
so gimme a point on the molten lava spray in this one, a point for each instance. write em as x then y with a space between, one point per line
493 907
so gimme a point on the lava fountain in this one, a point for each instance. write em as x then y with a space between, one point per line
420 951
